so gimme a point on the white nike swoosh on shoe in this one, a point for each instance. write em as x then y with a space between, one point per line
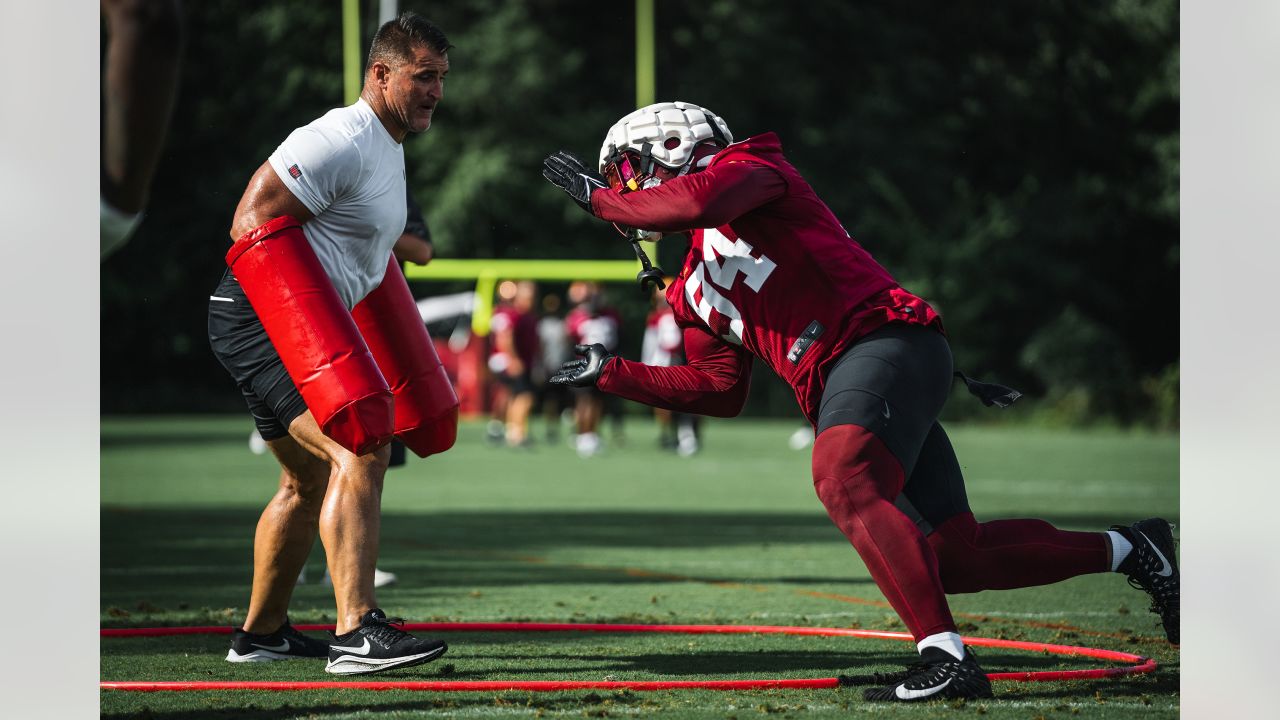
362 650
352 666
281 648
904 694
1167 570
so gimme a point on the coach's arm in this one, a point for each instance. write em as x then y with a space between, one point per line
266 198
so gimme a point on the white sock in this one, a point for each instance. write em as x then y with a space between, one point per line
947 641
1120 548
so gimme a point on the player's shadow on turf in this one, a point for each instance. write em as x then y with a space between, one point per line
702 665
1164 684
528 532
734 664
168 557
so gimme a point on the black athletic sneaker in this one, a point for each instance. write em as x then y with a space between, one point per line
940 675
283 644
379 645
1153 566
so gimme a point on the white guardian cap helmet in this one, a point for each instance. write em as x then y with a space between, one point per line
660 134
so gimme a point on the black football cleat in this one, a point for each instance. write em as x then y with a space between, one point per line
379 645
938 676
283 644
1152 565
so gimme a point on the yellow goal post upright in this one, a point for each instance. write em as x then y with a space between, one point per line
488 273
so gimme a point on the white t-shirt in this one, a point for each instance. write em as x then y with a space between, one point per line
349 172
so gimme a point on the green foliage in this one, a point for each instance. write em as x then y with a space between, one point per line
1162 393
1016 164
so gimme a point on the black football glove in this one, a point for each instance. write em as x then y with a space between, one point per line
567 172
584 372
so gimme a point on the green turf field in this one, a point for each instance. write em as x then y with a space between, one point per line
734 535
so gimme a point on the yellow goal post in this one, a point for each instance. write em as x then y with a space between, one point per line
488 273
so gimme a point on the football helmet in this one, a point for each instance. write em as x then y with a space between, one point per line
663 134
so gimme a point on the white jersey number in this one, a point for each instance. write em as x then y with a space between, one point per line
723 260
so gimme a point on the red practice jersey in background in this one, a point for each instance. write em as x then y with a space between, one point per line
769 273
524 329
587 327
663 338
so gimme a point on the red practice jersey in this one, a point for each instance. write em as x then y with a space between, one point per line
524 330
769 273
587 327
663 339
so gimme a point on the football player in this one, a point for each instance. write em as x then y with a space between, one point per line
770 273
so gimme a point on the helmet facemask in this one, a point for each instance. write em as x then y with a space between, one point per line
627 171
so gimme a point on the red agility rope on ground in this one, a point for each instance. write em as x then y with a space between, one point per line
1140 664
480 685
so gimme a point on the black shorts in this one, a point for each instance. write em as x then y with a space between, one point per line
894 383
589 392
518 384
242 346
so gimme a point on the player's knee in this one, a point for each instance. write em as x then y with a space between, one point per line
368 468
302 488
853 466
307 490
955 543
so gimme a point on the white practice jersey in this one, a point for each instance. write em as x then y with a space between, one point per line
349 172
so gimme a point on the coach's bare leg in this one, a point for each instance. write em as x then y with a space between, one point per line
286 532
350 519
518 409
590 408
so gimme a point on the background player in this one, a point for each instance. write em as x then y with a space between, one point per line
771 273
590 321
553 343
514 357
663 345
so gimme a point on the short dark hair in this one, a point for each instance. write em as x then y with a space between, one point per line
395 40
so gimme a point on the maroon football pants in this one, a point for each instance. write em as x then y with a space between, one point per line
858 480
889 478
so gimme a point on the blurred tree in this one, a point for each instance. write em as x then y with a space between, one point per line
1015 163
1006 161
